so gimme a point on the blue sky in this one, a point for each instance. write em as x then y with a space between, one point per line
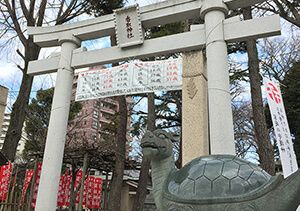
10 75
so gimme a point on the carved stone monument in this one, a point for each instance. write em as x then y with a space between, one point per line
194 107
215 182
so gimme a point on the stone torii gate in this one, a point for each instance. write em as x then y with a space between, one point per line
212 35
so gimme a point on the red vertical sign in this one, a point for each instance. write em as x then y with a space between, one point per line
68 189
77 183
64 190
4 180
60 196
85 191
27 179
90 190
36 183
97 193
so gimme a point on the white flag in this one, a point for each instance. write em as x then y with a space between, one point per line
281 128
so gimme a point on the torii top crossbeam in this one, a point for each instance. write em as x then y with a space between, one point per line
212 35
151 15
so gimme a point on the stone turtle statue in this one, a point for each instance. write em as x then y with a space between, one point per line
215 182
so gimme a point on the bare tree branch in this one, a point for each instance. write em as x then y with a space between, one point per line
17 27
41 12
25 10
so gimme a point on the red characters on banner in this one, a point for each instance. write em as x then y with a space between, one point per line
97 193
27 179
273 92
63 197
77 183
61 190
36 183
5 173
91 194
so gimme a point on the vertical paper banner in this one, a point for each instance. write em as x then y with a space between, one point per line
36 183
63 196
77 185
61 191
281 128
6 171
27 179
85 190
68 189
90 191
97 193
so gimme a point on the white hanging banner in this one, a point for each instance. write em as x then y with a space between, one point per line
281 128
130 78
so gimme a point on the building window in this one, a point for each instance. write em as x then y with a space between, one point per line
97 104
95 114
95 125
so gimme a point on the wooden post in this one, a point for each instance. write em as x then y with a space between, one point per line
84 169
32 185
105 191
12 185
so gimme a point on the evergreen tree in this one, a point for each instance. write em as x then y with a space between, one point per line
103 7
37 120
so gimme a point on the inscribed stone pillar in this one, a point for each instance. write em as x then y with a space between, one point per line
3 99
194 107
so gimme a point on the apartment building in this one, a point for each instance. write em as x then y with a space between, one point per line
5 124
92 124
3 99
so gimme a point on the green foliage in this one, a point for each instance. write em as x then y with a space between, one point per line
168 29
291 97
103 7
37 120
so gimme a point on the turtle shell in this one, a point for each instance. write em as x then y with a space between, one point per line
216 177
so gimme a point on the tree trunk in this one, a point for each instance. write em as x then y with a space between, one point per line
73 193
178 162
114 203
265 148
84 171
141 192
32 184
17 117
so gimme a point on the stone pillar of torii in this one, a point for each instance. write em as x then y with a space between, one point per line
128 24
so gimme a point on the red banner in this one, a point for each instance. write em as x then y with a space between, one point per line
90 190
36 183
61 190
85 190
92 194
5 174
68 190
27 179
64 190
77 183
97 193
